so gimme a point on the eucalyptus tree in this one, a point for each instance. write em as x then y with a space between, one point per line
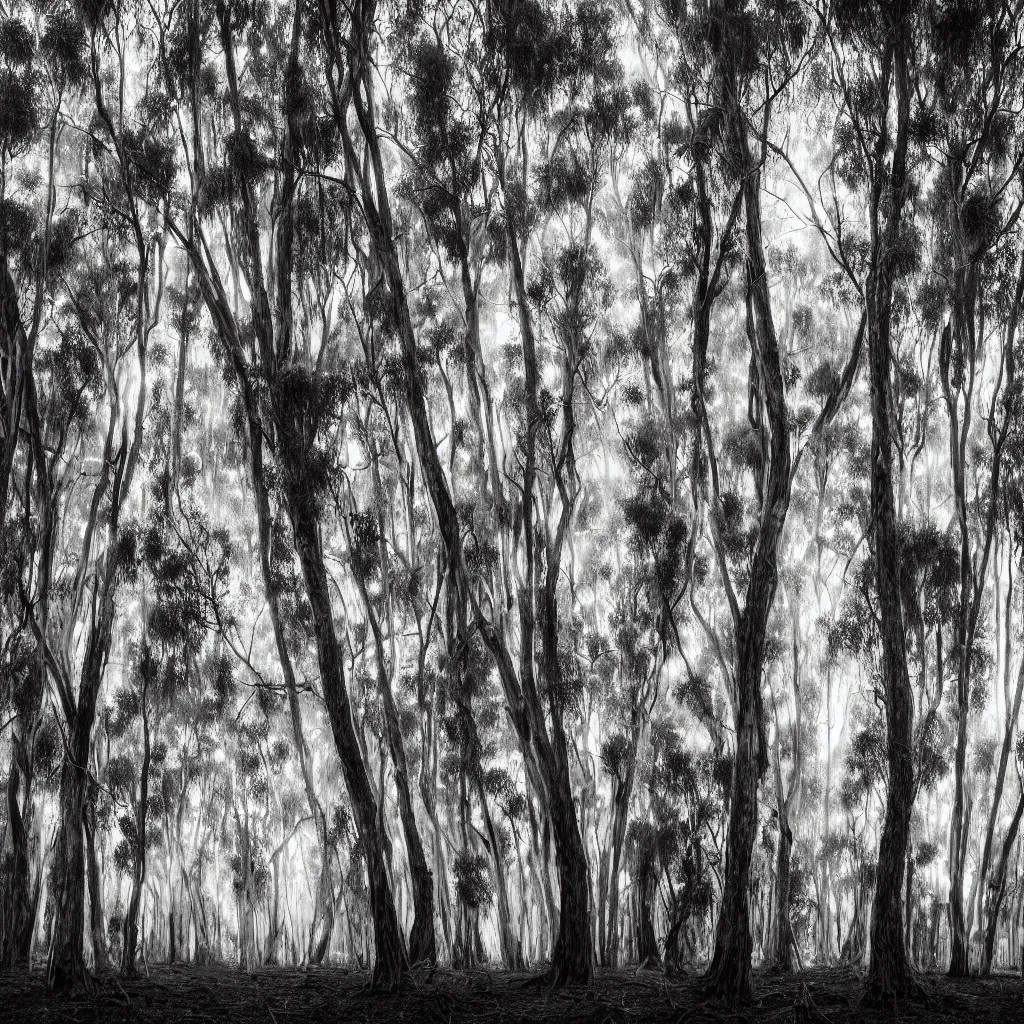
973 77
112 306
289 393
872 50
43 68
744 59
513 41
992 873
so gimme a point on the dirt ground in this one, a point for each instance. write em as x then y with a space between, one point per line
283 995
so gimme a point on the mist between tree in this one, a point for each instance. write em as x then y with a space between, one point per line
512 483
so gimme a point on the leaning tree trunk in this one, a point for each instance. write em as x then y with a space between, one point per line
990 888
997 889
572 956
422 943
390 961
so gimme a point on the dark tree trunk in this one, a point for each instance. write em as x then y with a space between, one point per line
66 963
97 924
992 887
621 795
620 814
66 966
16 903
422 942
782 929
997 889
572 959
16 347
890 975
646 889
131 917
322 926
908 902
729 975
573 953
390 963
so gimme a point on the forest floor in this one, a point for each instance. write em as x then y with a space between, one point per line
283 995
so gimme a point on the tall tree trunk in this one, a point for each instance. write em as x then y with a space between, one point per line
571 960
422 945
788 803
729 975
322 925
572 957
509 943
890 975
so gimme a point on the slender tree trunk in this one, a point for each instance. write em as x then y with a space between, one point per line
997 888
989 887
572 957
620 815
422 943
510 945
729 975
131 918
390 963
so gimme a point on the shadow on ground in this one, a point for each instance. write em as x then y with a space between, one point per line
285 995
